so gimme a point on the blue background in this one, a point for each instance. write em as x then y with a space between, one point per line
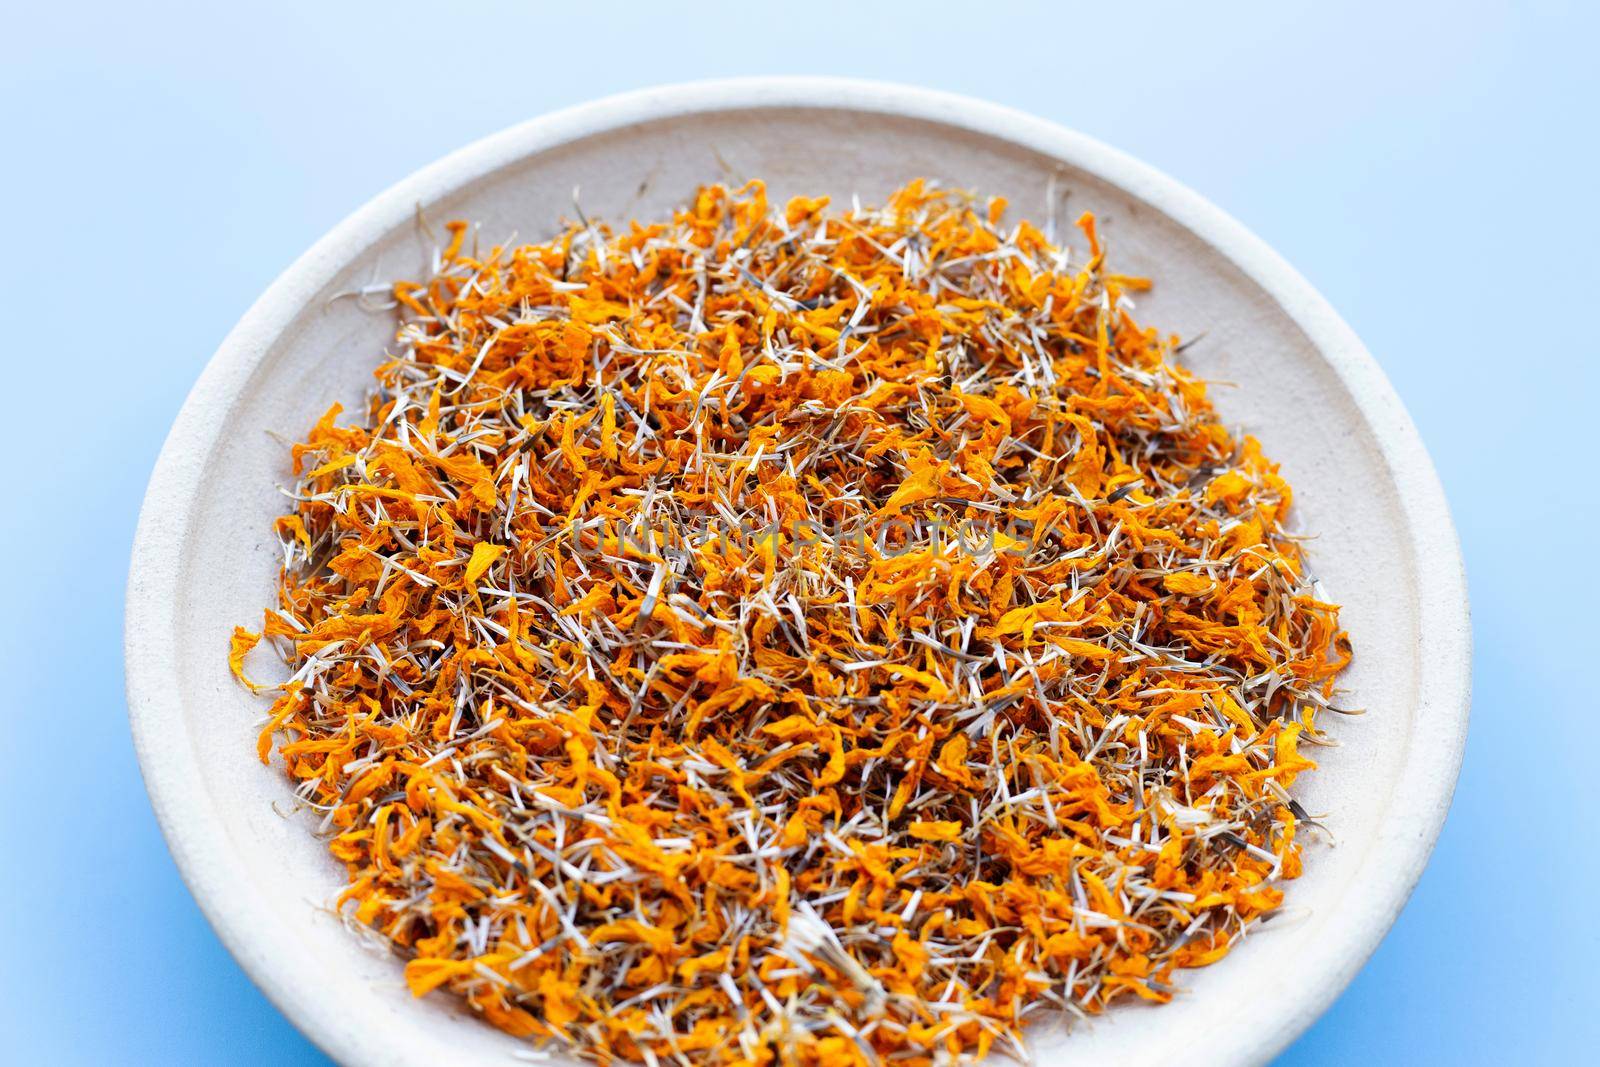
1430 167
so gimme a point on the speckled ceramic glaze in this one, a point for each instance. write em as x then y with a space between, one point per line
204 559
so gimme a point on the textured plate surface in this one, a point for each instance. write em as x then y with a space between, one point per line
204 558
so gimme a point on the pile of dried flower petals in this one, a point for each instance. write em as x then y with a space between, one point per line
621 773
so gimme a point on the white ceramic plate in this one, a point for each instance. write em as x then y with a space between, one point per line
204 559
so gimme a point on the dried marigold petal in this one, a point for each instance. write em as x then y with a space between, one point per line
807 634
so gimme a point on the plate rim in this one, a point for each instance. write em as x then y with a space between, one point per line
199 842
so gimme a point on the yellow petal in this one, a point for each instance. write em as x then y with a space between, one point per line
483 554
